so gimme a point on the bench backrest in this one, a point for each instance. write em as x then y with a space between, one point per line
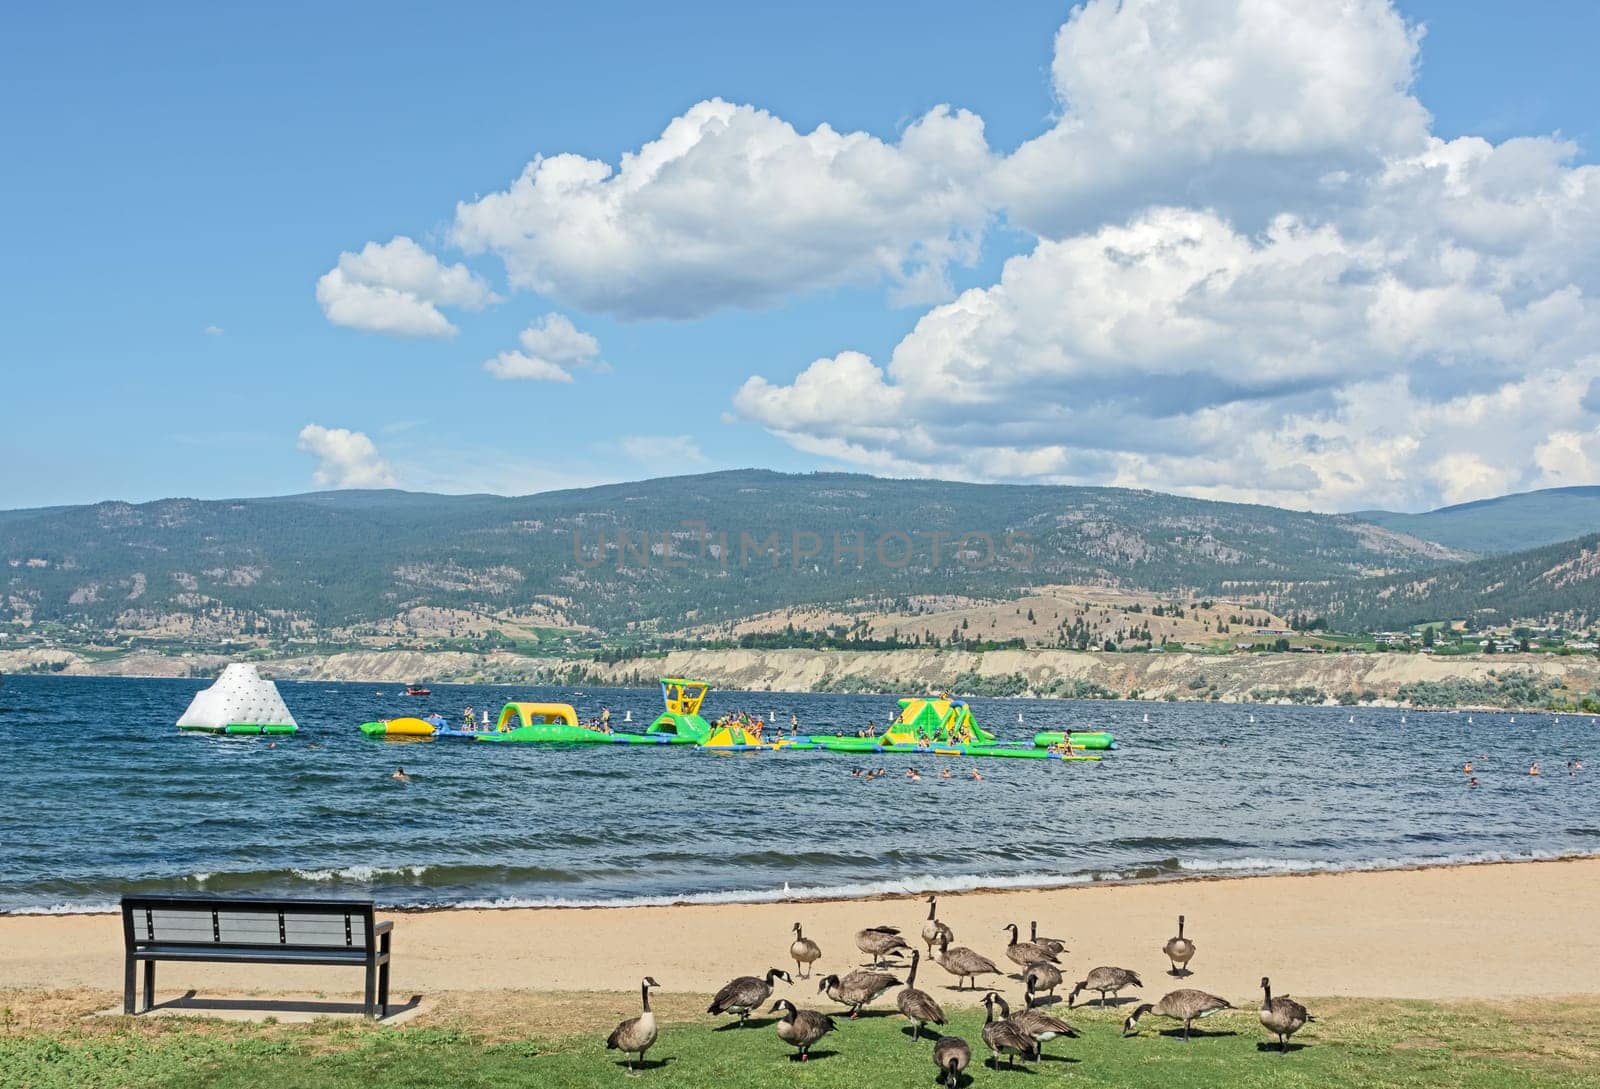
225 921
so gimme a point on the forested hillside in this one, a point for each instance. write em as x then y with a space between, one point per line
1558 583
656 554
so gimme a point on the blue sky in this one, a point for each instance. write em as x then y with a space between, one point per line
177 182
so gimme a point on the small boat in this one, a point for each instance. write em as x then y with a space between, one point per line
418 690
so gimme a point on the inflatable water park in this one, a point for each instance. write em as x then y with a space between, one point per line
929 725
240 702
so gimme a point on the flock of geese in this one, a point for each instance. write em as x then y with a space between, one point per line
1005 1034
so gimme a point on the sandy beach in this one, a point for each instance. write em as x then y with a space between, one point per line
1487 931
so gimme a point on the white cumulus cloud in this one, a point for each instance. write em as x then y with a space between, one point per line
345 459
551 347
732 207
1258 277
397 287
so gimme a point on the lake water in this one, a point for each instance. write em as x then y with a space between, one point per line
103 795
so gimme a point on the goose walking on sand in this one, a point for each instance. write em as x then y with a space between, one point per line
951 1055
636 1034
1041 977
1003 1036
800 1029
1055 945
1022 953
746 993
1186 1005
879 941
932 929
1180 951
918 1007
1282 1016
805 952
1106 980
962 962
857 989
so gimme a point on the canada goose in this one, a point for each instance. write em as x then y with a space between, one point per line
1023 954
746 993
1179 951
962 962
1106 980
801 1028
1055 945
1186 1005
933 929
878 941
1039 1025
857 989
636 1034
805 953
1003 1035
1282 1015
918 1006
951 1055
1041 976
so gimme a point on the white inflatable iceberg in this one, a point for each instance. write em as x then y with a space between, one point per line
241 702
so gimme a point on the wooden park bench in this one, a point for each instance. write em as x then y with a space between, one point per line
251 931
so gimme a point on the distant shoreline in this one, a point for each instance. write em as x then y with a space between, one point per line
1514 683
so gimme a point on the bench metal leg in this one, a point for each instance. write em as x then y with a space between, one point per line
149 984
130 973
372 991
383 990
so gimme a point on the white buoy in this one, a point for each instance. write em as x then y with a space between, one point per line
1147 716
627 716
1252 718
1019 716
1513 720
486 717
1352 718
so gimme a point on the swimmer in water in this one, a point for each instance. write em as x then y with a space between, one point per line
975 774
855 773
911 773
1472 782
1533 769
1468 768
945 774
400 774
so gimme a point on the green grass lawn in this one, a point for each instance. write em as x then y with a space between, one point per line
1355 1043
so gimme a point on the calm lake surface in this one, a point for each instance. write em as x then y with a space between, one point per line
103 795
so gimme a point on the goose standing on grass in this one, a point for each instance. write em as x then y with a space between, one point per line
636 1034
1055 945
1003 1036
805 953
1282 1016
1041 977
1186 1005
879 941
1106 980
801 1028
962 962
951 1055
933 929
857 989
1023 954
1039 1025
1180 951
918 1006
746 993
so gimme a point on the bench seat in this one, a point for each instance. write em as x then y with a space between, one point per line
223 930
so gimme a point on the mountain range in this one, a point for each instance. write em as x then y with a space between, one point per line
658 556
